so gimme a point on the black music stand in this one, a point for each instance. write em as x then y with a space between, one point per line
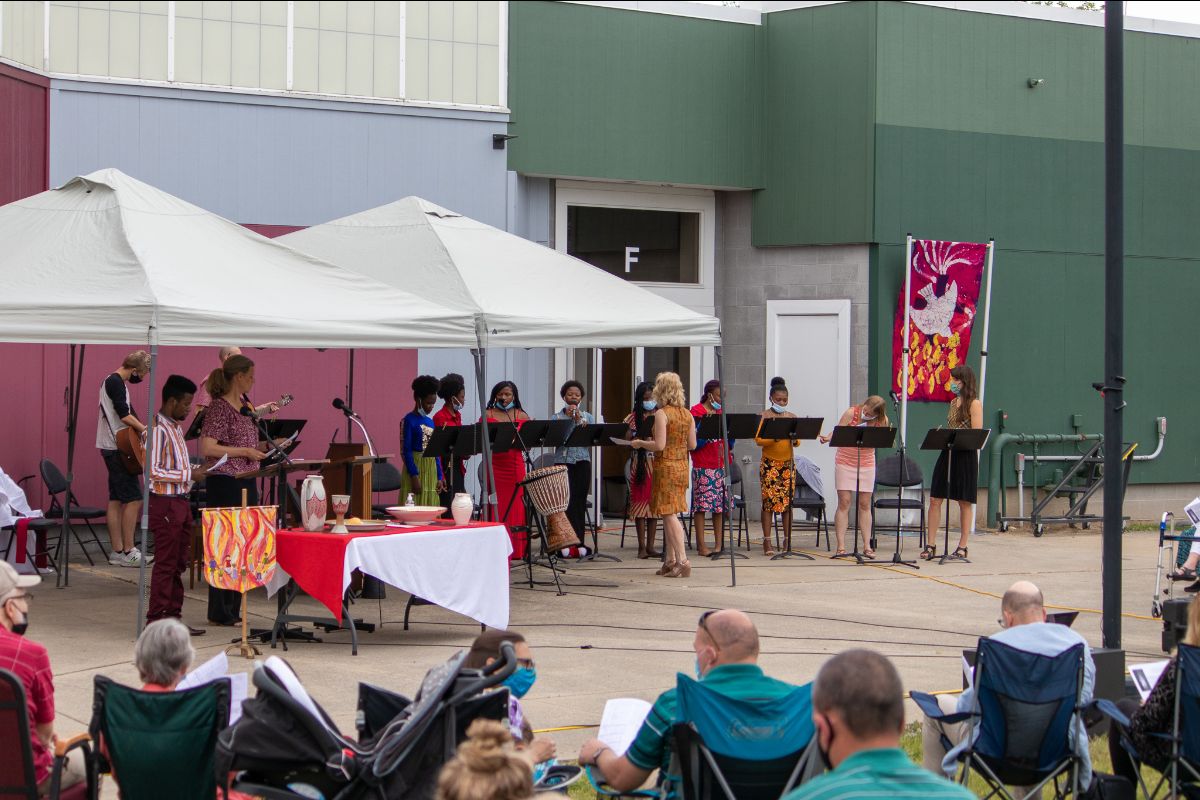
794 428
542 433
949 440
737 426
861 437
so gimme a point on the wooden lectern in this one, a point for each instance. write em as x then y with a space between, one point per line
350 461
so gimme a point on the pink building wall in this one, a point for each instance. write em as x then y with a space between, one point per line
33 414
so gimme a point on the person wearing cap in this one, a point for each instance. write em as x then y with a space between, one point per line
29 661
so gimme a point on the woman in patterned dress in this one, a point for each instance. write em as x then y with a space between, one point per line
422 477
640 472
674 436
777 471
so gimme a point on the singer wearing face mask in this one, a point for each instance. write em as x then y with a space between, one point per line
422 477
578 460
486 649
966 411
452 389
504 408
227 432
777 471
708 475
855 471
29 661
640 472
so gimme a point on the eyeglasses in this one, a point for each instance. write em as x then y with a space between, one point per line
26 596
1000 622
527 663
703 624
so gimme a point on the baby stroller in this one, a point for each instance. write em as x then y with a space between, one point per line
285 747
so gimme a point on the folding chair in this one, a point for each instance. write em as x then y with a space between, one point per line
742 749
1182 772
891 473
1024 721
160 744
18 778
810 501
385 477
56 484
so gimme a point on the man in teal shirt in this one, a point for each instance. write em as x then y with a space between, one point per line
726 646
858 709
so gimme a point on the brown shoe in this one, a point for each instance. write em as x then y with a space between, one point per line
196 631
682 569
666 567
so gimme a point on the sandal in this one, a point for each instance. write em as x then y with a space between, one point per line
959 552
1182 574
840 554
928 552
868 553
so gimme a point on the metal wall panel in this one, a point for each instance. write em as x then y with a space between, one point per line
22 134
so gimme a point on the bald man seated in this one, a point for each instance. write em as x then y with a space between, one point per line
1023 619
726 645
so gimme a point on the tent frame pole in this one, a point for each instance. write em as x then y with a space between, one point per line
480 354
905 344
152 418
74 379
726 485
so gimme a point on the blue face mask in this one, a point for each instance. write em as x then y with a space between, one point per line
699 675
505 406
716 405
955 387
649 405
521 681
778 409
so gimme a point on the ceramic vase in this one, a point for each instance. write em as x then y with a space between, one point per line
461 508
313 504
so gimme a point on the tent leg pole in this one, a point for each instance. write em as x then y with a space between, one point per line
152 417
63 578
726 489
488 479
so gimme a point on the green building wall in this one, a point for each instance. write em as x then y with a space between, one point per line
862 122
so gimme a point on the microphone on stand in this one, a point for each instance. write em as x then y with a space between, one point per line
895 397
340 405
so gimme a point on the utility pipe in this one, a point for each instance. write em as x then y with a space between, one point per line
996 456
1160 423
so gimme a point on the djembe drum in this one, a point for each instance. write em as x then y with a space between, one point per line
550 492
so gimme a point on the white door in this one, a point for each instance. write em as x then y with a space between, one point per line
808 345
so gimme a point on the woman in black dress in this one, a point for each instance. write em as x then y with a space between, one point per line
966 411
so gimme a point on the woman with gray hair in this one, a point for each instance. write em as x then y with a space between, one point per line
163 654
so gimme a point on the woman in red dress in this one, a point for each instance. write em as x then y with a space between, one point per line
453 391
504 407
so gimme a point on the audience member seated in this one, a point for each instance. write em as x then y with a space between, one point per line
726 646
163 654
29 661
486 767
858 711
486 649
1148 722
1023 619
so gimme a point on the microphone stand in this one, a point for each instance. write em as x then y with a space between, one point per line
358 421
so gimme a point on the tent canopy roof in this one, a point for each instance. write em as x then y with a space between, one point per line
105 258
523 294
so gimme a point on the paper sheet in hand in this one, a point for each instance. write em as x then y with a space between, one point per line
1145 676
619 442
218 667
219 462
622 718
1193 511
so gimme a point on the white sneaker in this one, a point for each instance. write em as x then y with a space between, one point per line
133 551
132 559
116 559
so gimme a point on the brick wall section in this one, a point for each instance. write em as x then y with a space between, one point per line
748 276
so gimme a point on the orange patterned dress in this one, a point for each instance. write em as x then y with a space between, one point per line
668 495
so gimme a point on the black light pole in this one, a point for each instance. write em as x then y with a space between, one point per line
1114 315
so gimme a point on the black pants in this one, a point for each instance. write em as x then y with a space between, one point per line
456 482
579 481
224 491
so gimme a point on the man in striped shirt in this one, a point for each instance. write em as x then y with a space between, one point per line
171 476
858 708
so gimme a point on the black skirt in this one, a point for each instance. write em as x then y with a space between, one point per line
964 477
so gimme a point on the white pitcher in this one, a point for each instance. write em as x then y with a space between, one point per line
461 508
313 505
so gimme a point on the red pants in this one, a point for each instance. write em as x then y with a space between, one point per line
171 525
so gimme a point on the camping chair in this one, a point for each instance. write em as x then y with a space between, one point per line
1183 770
18 779
160 744
1024 720
892 474
56 485
385 477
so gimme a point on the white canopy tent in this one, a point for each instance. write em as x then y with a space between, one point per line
107 259
517 290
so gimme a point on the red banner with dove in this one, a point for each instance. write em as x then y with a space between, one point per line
945 279
239 546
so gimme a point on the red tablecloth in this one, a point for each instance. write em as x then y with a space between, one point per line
317 561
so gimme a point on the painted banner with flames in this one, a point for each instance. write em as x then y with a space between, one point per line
945 292
239 546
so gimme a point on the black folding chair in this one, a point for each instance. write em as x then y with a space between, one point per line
56 484
891 473
385 477
810 501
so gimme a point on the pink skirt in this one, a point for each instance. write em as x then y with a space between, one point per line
844 478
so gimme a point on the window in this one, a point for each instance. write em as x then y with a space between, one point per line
643 245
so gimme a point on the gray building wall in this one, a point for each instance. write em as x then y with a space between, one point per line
279 161
747 277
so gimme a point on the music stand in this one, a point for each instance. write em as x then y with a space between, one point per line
861 437
737 426
949 440
541 433
793 428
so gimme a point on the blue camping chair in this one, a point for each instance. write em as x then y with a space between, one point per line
1183 770
1024 721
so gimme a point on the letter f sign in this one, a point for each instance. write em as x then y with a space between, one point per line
631 256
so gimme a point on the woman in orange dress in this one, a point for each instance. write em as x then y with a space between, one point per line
504 407
674 436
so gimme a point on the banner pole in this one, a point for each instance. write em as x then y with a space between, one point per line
987 316
905 343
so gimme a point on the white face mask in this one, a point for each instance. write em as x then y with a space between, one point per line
868 417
